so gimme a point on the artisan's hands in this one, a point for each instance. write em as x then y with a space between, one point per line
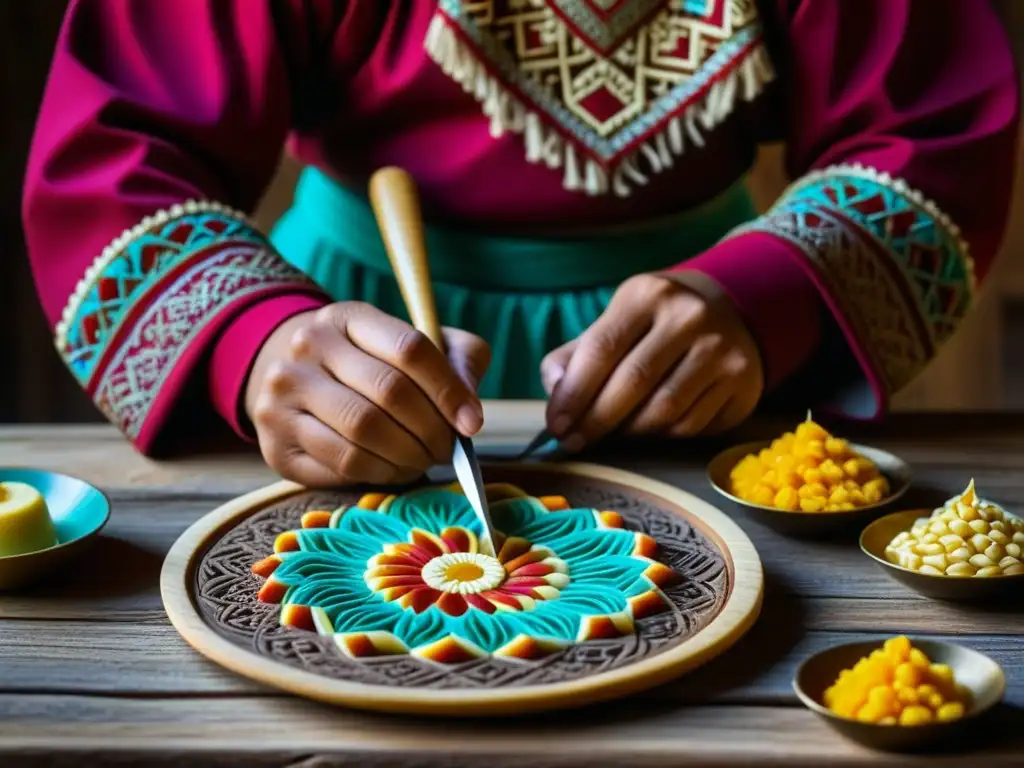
661 359
347 395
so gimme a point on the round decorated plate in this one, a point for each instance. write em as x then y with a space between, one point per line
604 583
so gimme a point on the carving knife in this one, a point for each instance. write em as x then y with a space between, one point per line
396 205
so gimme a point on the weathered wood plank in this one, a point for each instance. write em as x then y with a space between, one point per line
152 660
247 731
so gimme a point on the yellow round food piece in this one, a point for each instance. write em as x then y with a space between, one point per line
25 524
897 685
808 470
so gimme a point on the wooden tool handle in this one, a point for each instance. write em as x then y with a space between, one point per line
396 204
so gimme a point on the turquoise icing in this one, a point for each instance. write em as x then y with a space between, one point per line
328 571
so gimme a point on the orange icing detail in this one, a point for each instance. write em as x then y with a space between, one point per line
533 556
266 566
646 604
612 519
287 542
271 592
645 546
600 628
372 501
447 651
512 548
529 648
298 616
661 575
316 518
554 503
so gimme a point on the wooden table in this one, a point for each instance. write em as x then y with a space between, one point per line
91 672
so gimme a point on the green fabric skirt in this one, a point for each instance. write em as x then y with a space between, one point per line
524 296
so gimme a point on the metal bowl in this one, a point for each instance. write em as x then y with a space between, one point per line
876 536
896 471
977 672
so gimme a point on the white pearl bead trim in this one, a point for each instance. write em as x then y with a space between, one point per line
117 247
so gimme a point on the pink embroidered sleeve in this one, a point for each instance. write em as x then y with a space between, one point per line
901 130
156 117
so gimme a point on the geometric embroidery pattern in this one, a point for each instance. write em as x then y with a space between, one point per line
153 291
612 76
894 263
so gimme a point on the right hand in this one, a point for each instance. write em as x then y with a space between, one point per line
347 394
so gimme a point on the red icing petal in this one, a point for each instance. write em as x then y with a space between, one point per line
533 569
412 552
480 603
457 539
453 604
524 581
420 599
518 589
495 595
426 542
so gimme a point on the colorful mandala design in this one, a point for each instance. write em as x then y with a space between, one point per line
894 263
404 575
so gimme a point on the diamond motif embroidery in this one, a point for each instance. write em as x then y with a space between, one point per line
893 261
152 293
626 84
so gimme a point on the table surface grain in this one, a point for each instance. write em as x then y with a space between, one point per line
92 672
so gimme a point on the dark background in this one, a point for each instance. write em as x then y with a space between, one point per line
982 369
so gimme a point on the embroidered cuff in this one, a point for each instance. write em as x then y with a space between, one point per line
777 300
891 267
237 348
149 305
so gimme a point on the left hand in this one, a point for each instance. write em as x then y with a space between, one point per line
662 358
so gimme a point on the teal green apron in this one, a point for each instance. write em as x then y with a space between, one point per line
524 296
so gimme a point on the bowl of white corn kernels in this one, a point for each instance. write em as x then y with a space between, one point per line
967 549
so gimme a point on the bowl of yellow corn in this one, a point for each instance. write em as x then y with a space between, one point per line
809 481
902 694
967 549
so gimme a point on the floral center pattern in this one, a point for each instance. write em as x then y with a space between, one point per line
404 575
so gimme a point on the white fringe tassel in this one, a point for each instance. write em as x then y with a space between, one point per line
546 146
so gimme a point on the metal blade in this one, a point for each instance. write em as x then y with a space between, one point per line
543 438
467 470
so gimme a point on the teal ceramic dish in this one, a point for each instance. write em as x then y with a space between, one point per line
78 510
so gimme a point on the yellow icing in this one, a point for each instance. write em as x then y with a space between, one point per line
25 524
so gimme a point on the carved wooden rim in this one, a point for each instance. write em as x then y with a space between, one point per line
741 609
